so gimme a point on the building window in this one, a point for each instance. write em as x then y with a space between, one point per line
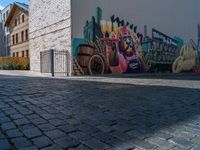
27 34
13 54
13 39
19 19
4 17
27 53
17 38
15 22
22 53
17 54
22 35
8 40
7 13
23 18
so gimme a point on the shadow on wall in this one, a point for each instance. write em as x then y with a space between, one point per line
113 111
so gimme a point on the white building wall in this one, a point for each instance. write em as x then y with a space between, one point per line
49 27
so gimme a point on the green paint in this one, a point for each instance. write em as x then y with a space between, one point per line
76 42
180 41
146 45
98 15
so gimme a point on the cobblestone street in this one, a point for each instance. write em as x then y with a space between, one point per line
106 113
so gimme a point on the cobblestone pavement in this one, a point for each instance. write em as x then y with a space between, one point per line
77 114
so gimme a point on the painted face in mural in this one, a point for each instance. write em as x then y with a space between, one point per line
128 46
130 54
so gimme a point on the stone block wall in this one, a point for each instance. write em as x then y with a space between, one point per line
49 28
22 46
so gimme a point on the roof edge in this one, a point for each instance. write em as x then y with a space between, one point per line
15 5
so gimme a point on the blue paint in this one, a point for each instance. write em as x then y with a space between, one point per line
180 41
76 42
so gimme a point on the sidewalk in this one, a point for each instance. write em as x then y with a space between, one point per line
24 73
183 80
29 73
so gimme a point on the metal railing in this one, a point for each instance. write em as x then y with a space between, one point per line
55 62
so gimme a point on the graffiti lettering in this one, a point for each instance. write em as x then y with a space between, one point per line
157 35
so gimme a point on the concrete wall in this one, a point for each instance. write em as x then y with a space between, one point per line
50 28
173 17
170 24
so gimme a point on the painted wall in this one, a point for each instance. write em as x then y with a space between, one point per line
135 35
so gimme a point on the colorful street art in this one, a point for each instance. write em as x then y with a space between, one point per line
115 46
187 59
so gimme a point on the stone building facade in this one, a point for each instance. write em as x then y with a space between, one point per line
1 33
18 24
50 28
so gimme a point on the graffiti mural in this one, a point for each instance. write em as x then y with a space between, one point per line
187 59
122 49
116 46
161 50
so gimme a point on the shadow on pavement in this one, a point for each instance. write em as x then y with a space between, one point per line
116 114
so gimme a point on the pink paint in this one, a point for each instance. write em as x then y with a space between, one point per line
123 64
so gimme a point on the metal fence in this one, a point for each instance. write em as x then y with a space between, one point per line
55 62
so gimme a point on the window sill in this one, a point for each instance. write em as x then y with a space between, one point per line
19 43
